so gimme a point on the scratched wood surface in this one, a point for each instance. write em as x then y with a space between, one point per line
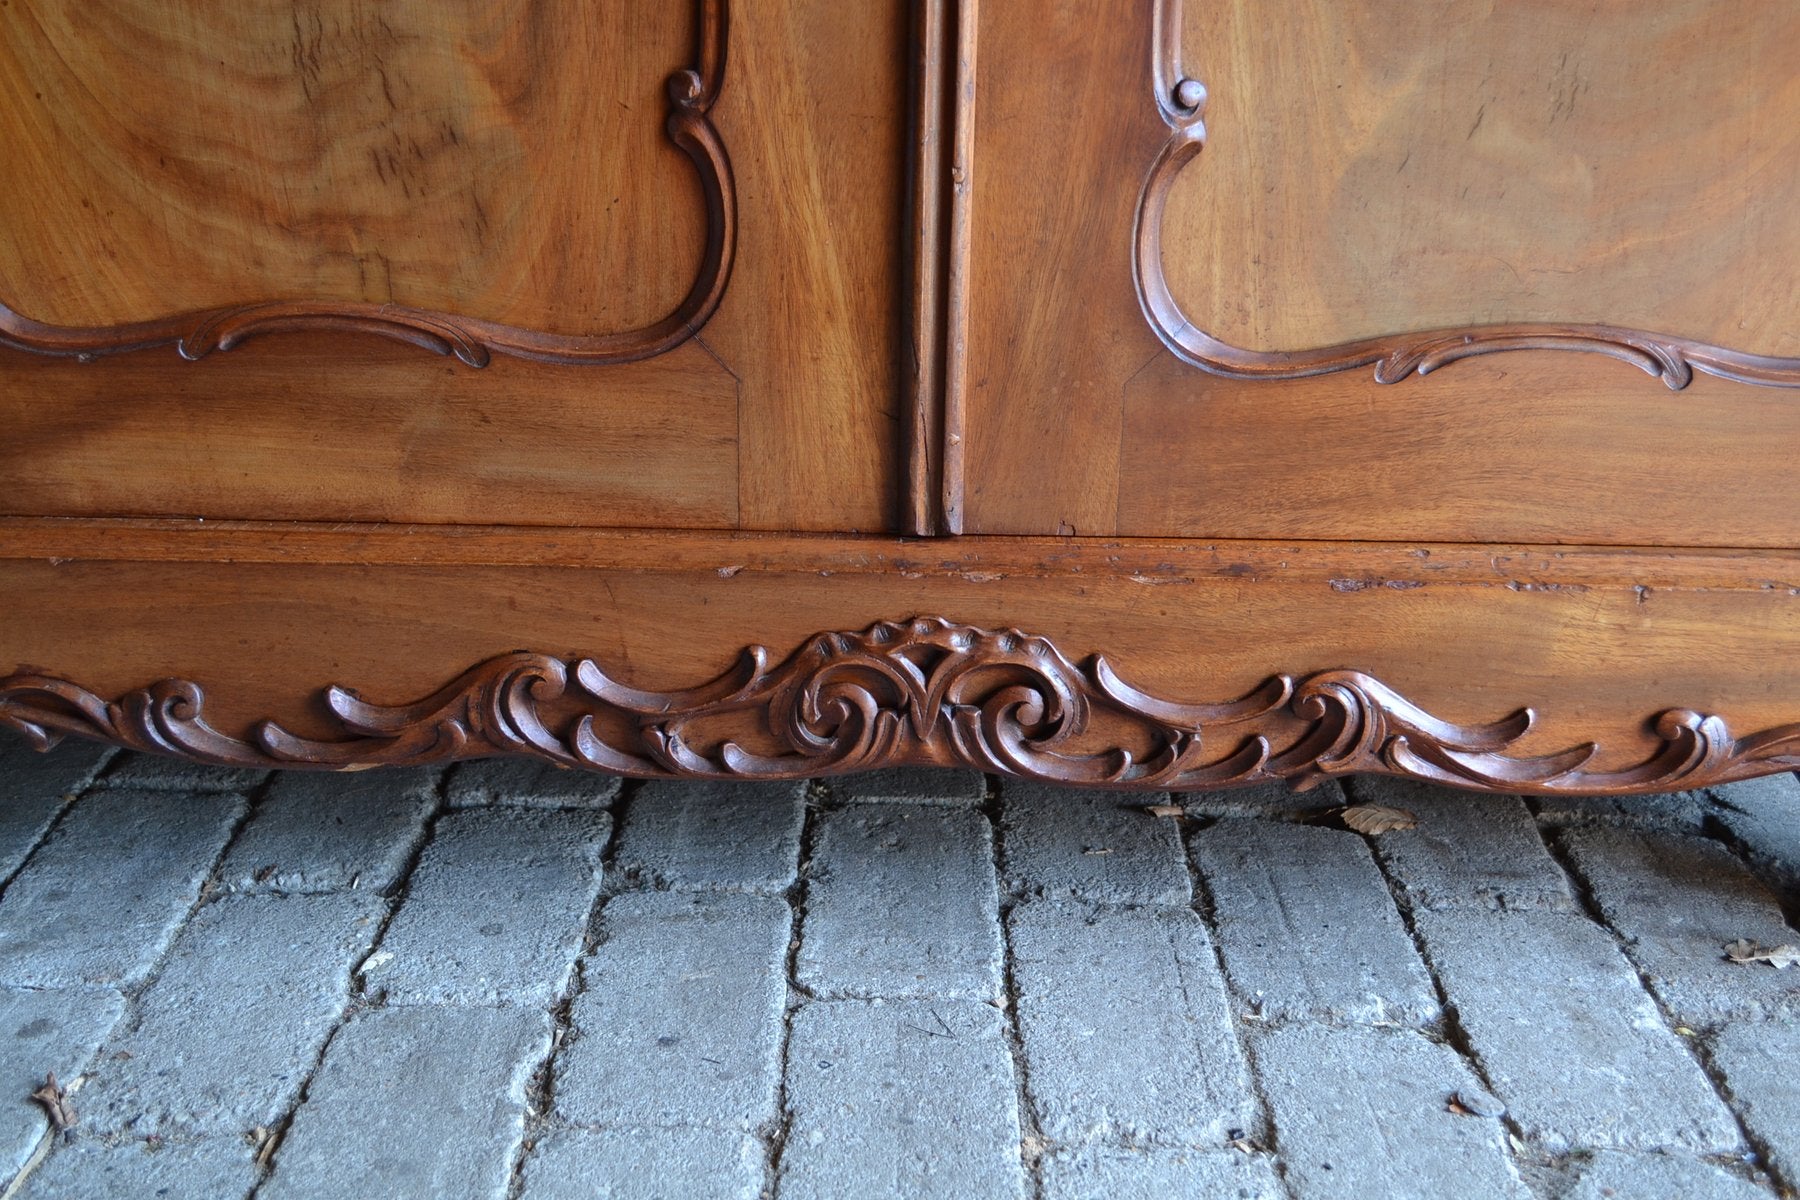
1384 166
481 158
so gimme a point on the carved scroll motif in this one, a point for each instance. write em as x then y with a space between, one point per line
1181 102
692 93
925 691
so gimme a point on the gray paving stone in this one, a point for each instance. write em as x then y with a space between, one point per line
1568 1037
1365 1112
1307 926
1142 1173
682 1164
101 897
223 1038
496 910
1678 901
737 836
528 783
160 773
1125 1026
1079 844
425 1102
41 1033
1675 811
913 785
679 1022
1756 1061
1763 816
912 1099
35 787
1469 850
902 902
1613 1175
89 1169
329 831
1276 800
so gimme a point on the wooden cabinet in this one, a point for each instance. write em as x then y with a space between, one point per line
1115 391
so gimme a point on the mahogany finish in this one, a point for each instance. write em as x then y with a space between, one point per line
840 272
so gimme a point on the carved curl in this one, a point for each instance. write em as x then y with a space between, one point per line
925 691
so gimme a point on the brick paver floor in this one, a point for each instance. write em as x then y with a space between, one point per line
501 981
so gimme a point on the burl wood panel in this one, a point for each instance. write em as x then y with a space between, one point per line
485 159
1598 643
1385 166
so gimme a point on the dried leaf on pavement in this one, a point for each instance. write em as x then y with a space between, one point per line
1744 951
55 1102
1374 819
1164 810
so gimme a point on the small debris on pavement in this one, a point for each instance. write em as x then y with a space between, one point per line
1376 819
264 1140
55 1103
1744 951
1474 1103
1163 810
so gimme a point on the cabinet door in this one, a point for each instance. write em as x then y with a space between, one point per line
1387 270
627 262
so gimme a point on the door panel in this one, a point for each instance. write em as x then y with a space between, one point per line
1200 314
686 220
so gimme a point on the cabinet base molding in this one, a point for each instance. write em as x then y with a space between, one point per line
926 691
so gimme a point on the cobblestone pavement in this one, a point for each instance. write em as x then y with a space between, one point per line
503 980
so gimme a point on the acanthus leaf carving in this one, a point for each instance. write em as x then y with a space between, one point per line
925 691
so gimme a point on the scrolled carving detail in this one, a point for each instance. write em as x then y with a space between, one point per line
925 691
692 93
1181 102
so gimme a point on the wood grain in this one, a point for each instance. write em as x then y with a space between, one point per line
309 427
1597 660
378 169
1062 137
1526 447
814 323
929 180
1396 165
925 691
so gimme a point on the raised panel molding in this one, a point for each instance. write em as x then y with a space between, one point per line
923 691
692 93
1181 103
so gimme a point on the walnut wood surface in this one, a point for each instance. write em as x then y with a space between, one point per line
1569 448
309 427
1525 175
403 172
919 692
929 180
785 414
1082 422
1372 682
812 325
968 347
